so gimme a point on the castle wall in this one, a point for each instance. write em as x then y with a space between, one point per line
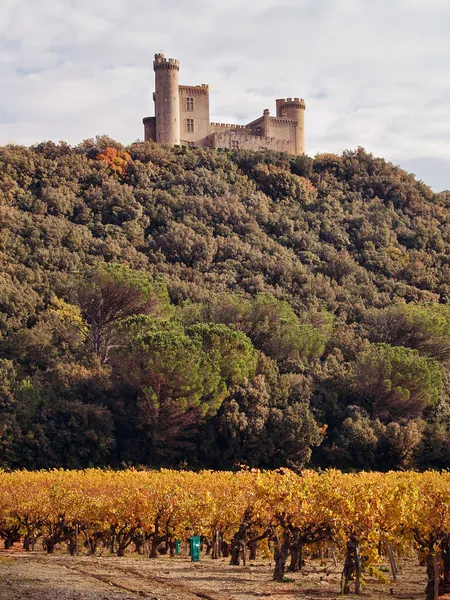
281 128
257 126
217 127
194 105
242 139
284 129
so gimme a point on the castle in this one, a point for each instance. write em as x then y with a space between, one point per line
182 118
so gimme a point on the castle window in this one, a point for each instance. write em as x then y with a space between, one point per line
235 144
189 103
190 125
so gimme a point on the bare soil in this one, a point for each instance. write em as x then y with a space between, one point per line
38 576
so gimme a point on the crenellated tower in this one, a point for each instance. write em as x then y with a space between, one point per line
294 109
167 100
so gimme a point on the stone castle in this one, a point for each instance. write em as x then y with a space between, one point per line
182 118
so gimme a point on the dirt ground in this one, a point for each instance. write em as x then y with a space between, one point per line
62 577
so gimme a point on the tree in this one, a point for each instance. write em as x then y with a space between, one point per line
275 329
115 160
396 382
76 435
241 426
257 427
109 293
230 351
182 377
302 165
356 442
293 432
423 327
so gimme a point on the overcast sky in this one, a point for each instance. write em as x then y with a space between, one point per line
374 73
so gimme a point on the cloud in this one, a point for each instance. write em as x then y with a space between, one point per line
372 73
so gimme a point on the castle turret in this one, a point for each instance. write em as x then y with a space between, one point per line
265 130
294 108
167 100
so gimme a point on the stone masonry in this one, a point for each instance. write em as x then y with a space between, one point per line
182 118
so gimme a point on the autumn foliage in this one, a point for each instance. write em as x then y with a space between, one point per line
278 512
115 160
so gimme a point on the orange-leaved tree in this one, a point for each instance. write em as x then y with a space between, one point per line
115 161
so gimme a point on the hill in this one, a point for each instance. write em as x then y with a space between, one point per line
205 308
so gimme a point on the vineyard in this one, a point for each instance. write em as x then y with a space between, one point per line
358 519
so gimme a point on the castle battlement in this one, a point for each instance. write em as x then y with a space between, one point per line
229 126
165 63
283 122
291 103
284 100
195 89
182 117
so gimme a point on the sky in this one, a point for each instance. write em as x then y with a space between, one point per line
373 73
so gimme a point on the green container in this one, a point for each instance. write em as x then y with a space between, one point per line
177 547
194 544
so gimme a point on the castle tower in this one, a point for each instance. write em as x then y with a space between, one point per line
167 100
294 108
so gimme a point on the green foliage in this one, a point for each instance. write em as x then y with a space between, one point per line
424 327
167 366
261 426
367 443
278 183
181 378
270 323
302 165
192 368
109 293
231 352
163 305
397 381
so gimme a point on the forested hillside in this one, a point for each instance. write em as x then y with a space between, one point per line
205 308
